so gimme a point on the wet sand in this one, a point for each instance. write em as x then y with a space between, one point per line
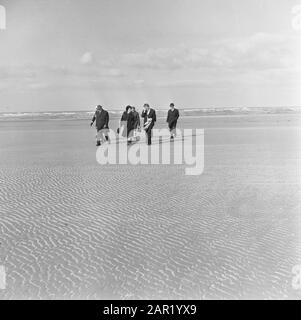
71 228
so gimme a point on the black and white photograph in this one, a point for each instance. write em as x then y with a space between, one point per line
150 150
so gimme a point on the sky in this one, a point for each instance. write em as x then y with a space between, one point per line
72 55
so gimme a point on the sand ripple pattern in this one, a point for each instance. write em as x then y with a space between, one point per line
70 228
99 232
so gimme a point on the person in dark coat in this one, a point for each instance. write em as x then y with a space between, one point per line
136 123
172 119
130 123
127 123
101 119
149 118
136 118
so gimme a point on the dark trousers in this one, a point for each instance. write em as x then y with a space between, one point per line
149 135
172 125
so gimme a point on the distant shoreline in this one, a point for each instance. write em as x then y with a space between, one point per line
115 114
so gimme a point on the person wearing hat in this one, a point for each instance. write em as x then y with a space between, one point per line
101 118
172 119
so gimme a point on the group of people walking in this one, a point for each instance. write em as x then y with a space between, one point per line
130 125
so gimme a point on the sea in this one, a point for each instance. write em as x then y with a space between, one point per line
115 114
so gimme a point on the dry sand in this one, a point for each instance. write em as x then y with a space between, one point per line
71 228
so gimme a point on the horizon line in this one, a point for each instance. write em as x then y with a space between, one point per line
158 109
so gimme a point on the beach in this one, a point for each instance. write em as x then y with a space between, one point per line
71 228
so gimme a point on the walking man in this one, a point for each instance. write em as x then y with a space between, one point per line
102 124
149 117
172 119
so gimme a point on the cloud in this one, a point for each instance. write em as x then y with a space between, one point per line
138 82
86 58
257 52
260 59
38 85
262 51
